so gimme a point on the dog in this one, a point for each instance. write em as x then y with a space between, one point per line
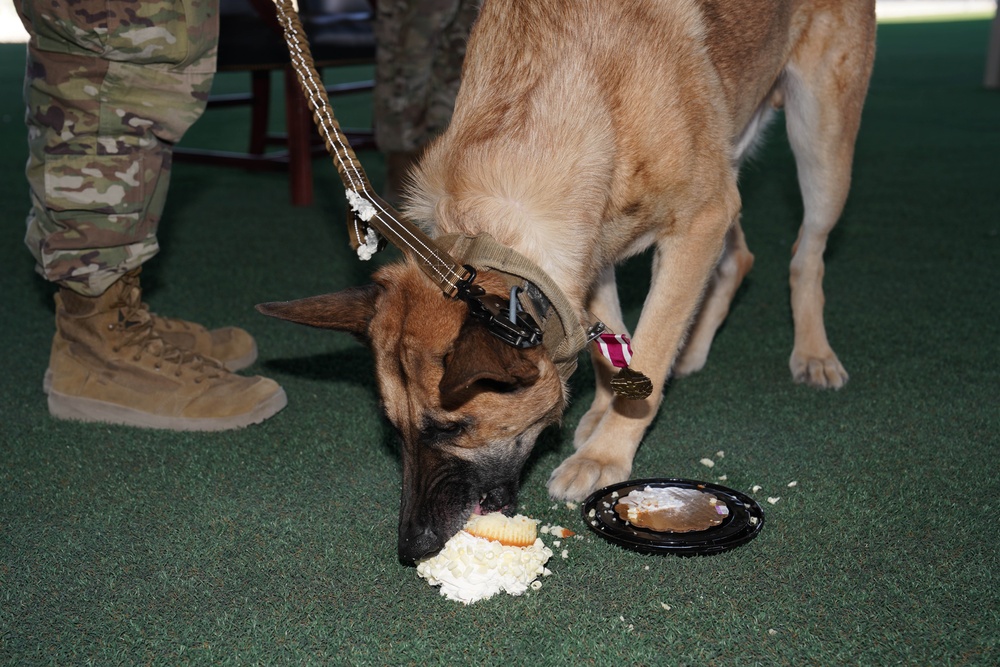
585 132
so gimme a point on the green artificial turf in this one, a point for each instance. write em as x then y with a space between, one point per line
277 544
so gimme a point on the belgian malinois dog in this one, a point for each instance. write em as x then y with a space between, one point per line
587 131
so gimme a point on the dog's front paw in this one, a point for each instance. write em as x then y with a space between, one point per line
822 372
579 476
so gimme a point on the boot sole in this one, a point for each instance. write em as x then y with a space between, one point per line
75 408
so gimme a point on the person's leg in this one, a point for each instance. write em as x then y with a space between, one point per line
109 87
421 47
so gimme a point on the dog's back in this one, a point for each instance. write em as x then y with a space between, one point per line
586 131
599 121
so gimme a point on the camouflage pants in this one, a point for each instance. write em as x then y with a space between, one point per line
421 46
110 86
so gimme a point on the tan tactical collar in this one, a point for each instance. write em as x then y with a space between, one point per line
563 335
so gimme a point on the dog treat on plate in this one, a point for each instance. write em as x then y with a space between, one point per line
671 509
471 568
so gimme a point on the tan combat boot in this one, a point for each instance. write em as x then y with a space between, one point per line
234 347
108 364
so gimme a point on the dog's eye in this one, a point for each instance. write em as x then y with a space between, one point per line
433 432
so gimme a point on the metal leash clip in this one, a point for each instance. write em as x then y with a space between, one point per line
595 330
510 324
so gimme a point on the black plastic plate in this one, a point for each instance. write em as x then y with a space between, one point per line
744 522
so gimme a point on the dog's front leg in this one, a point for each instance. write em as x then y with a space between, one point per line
681 267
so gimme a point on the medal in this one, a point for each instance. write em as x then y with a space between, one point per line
628 383
631 384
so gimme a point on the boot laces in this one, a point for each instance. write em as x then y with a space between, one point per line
135 322
161 322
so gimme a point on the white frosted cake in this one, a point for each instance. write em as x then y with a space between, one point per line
471 568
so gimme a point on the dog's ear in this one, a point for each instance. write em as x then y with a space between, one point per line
349 310
480 361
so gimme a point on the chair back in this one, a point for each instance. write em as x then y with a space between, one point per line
339 32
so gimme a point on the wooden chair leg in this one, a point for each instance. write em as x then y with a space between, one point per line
299 122
260 85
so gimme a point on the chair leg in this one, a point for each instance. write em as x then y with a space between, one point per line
299 122
260 85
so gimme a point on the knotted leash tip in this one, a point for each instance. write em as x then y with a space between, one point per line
368 249
365 211
360 205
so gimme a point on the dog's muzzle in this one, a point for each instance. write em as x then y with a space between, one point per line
418 542
430 519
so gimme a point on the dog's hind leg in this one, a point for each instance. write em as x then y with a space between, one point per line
736 262
604 305
824 89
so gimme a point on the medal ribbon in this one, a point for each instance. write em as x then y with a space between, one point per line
616 348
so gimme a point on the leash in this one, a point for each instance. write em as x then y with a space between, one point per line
372 215
374 220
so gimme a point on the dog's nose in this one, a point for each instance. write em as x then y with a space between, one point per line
418 542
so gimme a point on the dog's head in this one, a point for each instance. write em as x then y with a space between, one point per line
467 406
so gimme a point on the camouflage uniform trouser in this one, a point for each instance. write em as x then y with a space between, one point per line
110 86
421 46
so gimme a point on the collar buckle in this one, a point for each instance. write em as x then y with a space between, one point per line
510 324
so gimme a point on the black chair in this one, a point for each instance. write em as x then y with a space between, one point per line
250 39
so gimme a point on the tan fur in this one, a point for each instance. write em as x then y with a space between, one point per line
411 363
586 131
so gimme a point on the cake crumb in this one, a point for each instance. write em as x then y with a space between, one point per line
757 487
559 531
665 606
791 484
720 454
708 463
773 499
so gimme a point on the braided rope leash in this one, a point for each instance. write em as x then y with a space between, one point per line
372 214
